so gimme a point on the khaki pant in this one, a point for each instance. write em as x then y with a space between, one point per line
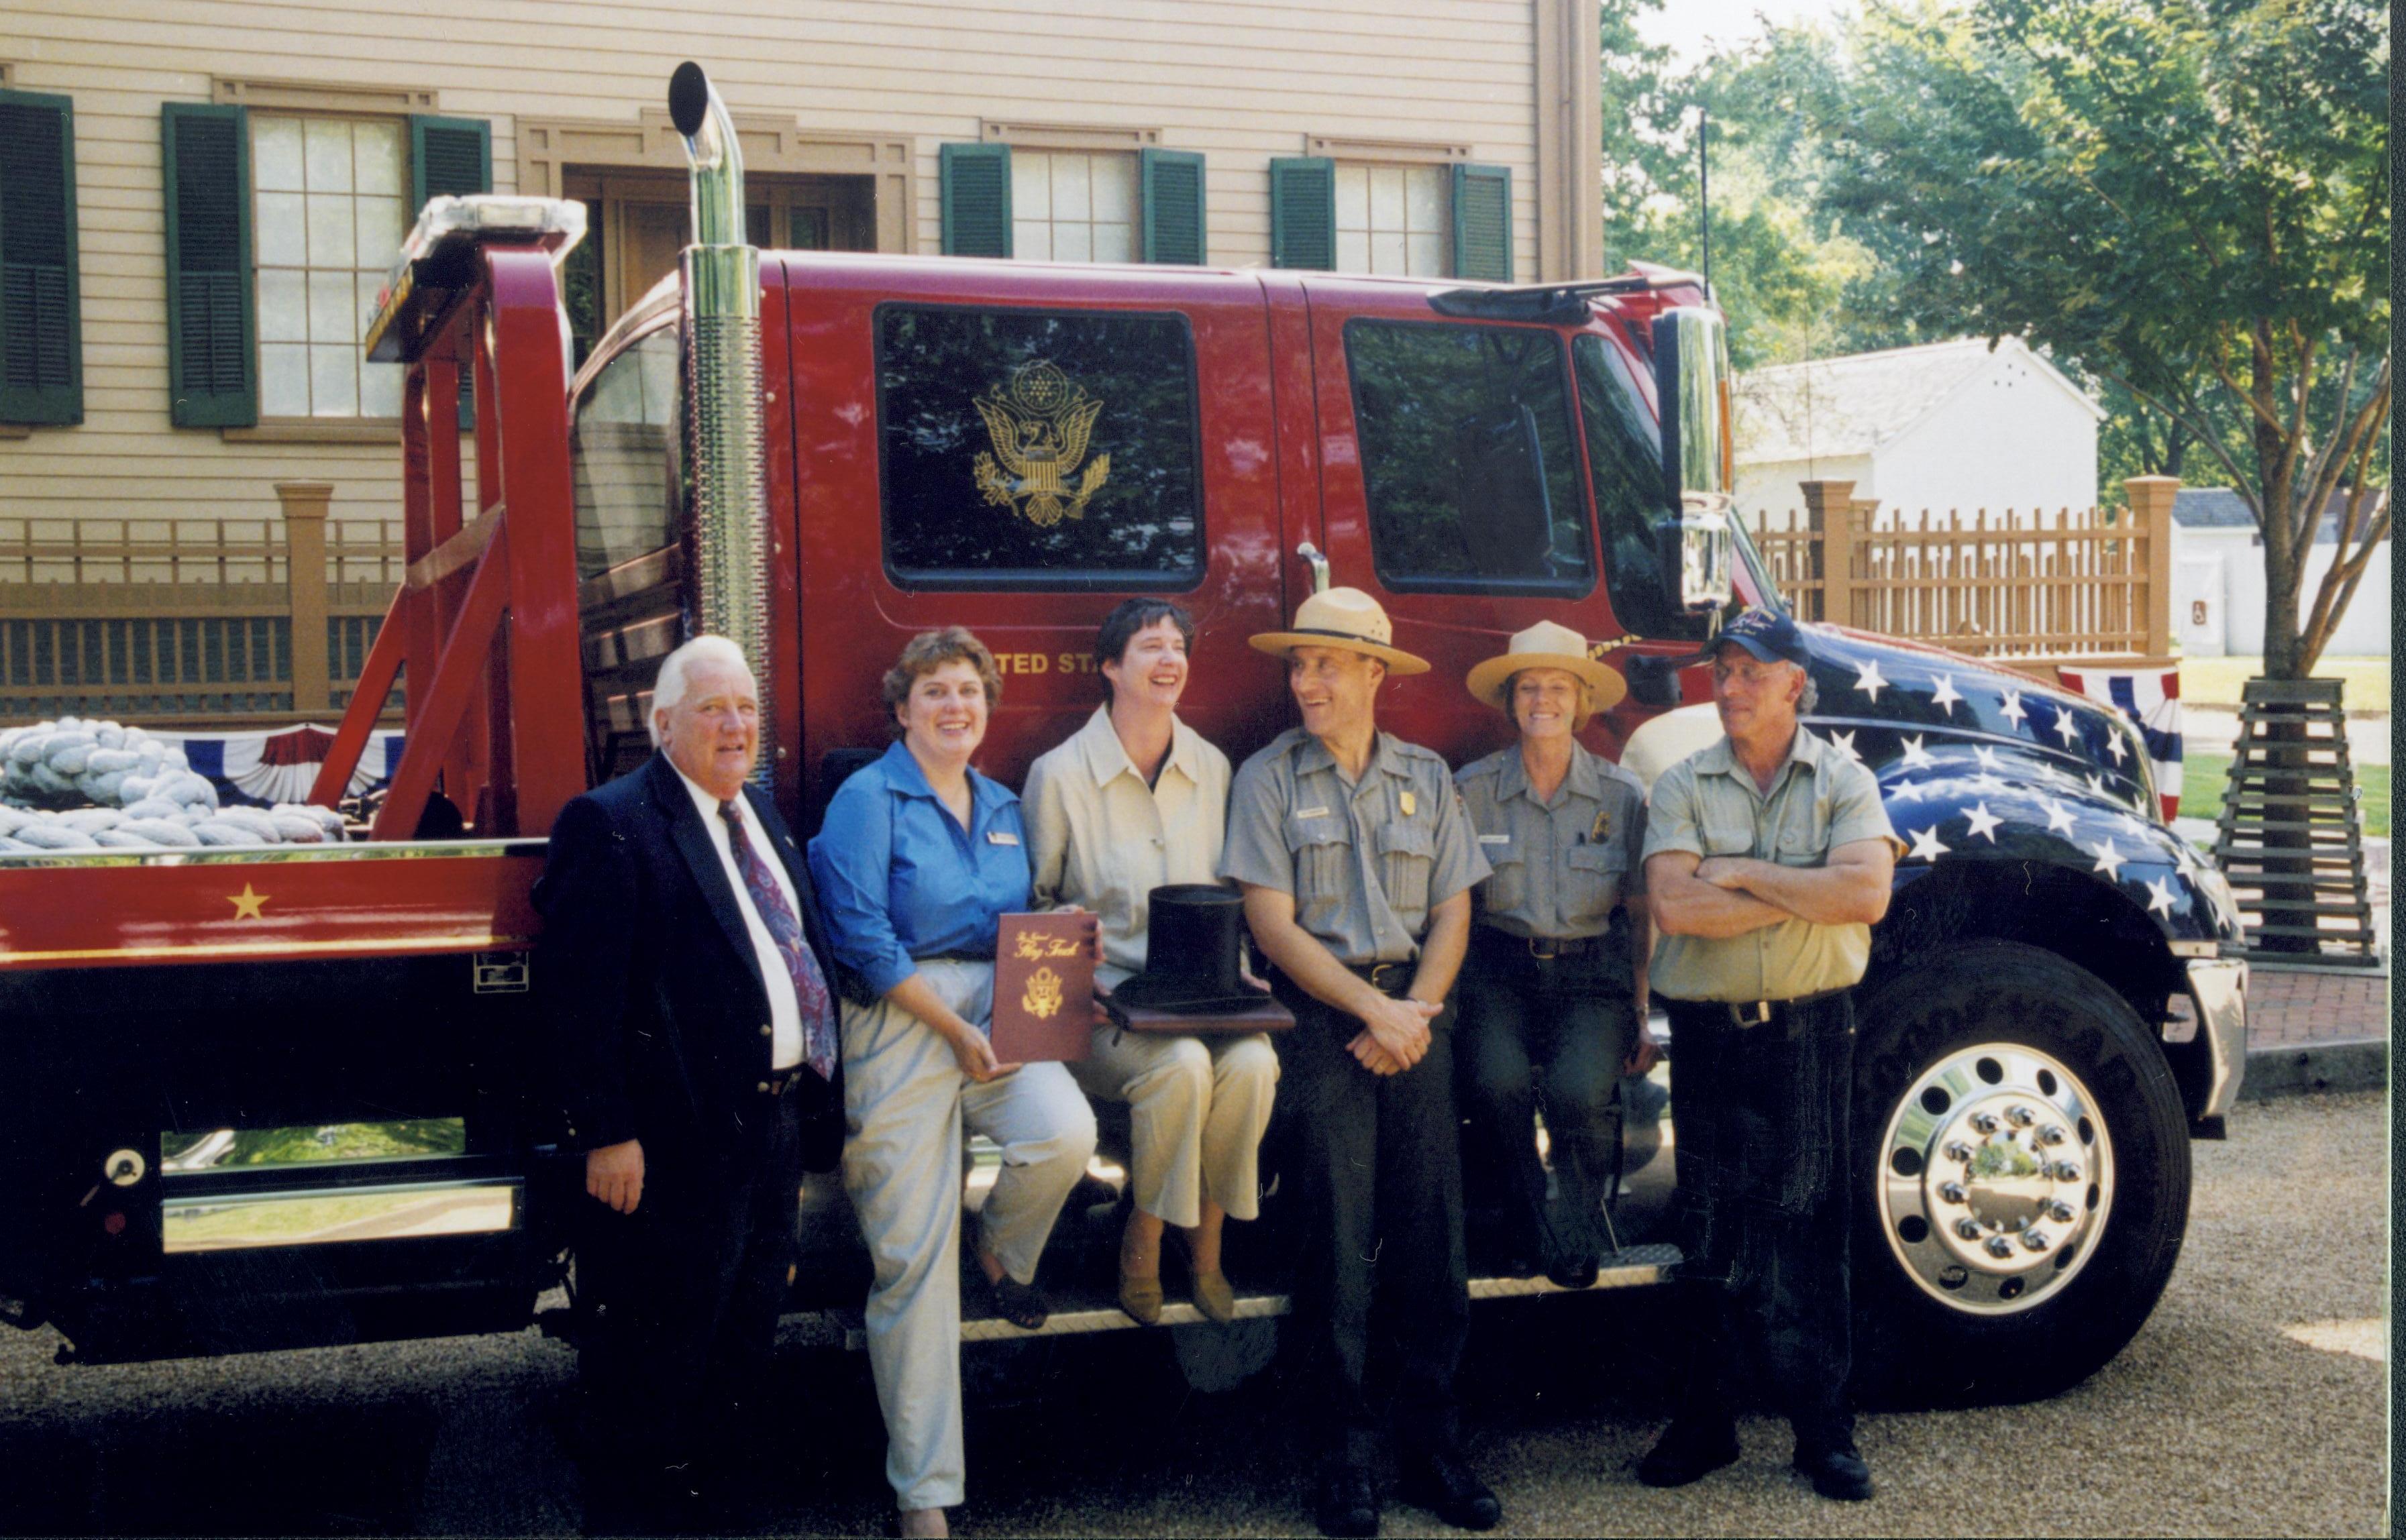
1197 1111
905 1102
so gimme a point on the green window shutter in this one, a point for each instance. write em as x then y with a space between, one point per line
41 331
1483 222
1302 212
1172 190
450 158
976 199
212 330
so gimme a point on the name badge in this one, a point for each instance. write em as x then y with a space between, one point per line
1000 836
1311 812
1494 839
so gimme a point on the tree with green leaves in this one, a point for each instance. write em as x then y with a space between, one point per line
2188 199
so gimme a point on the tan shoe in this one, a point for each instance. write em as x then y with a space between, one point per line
1214 1297
1140 1297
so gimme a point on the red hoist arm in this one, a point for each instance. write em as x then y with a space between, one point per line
482 632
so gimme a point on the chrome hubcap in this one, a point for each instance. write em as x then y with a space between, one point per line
1996 1179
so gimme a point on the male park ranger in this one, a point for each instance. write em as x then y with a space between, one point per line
1356 863
1768 857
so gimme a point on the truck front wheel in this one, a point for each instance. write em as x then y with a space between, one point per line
2024 1170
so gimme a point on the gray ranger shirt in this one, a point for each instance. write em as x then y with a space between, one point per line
1560 865
1364 863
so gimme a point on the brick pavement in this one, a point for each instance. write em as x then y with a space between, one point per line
2300 1008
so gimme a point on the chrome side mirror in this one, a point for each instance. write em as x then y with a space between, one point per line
1692 383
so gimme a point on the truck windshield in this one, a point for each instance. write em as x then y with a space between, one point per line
1625 453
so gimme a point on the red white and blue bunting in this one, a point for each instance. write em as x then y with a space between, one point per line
267 768
2150 697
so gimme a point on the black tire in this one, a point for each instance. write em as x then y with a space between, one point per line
1913 1346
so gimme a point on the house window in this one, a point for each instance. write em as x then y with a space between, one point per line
1074 207
329 209
1393 220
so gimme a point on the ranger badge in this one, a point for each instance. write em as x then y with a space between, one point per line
1602 830
1407 801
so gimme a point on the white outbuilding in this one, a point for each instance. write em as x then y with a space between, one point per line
1953 425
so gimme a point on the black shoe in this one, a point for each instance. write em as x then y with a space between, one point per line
1442 1484
1574 1270
1689 1451
1839 1473
1349 1501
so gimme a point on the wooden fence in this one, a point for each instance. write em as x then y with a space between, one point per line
2085 583
192 623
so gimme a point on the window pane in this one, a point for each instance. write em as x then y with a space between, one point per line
275 154
625 493
334 308
280 234
283 380
380 389
375 159
381 230
1426 254
1352 198
1031 186
1114 189
1114 242
329 154
1352 251
1032 240
1386 197
283 305
1074 243
809 230
1071 190
1424 199
1030 444
1468 458
334 380
330 232
1387 252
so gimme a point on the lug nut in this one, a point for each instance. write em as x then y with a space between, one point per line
2035 1239
2020 1117
1951 1192
1985 1122
2050 1134
1968 1228
2000 1246
2066 1171
1959 1152
2060 1211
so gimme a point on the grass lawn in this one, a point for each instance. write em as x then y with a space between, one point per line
2216 681
2202 777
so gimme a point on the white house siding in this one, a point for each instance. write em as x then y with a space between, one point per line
2218 596
1768 492
2008 439
1242 82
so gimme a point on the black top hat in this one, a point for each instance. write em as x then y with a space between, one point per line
1191 953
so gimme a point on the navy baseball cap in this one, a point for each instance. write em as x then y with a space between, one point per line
1767 633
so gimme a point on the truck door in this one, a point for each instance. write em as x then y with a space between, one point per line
1452 488
1016 449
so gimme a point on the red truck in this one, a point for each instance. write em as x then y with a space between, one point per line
270 1097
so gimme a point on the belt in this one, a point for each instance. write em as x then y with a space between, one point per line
1756 1012
1544 948
957 954
1391 978
782 1080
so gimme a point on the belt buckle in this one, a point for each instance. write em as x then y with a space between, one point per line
1750 1012
1379 974
1544 948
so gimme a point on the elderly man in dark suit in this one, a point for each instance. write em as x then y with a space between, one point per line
695 1037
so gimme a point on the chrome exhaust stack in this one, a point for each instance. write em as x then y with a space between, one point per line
723 431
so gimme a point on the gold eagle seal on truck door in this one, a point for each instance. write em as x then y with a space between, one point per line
1038 429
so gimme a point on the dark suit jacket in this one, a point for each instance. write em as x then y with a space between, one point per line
657 1013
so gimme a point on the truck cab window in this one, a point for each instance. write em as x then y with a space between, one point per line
625 460
1038 449
1470 458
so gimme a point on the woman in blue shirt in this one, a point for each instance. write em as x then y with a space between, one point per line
918 859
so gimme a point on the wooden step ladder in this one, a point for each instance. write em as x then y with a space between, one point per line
2290 836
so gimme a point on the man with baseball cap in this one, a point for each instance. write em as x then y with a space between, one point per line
1356 863
1553 993
1768 859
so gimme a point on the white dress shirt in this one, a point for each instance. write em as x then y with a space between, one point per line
785 1007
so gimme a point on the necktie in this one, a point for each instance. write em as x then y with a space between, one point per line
786 930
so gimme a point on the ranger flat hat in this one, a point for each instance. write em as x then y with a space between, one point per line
1547 645
1345 618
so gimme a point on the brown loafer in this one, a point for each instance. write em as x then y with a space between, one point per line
1214 1298
1140 1297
